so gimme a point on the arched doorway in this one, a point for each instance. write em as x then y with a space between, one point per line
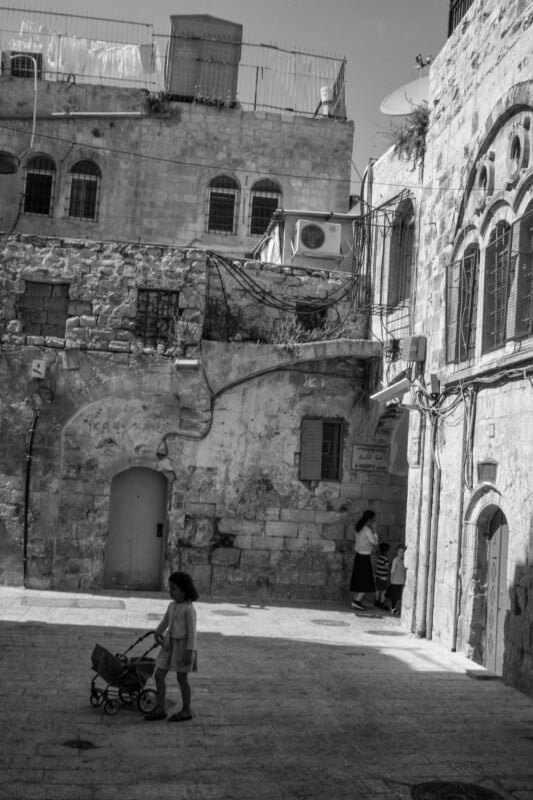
498 602
137 522
491 600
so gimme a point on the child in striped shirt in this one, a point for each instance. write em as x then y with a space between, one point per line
382 574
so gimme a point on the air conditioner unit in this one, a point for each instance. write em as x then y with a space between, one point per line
316 239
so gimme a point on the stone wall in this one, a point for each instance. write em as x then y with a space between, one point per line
156 167
224 430
480 84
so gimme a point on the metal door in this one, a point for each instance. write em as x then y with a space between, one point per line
136 524
498 601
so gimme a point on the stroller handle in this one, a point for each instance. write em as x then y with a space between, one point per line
140 639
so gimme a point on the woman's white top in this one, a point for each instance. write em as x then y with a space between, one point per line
365 541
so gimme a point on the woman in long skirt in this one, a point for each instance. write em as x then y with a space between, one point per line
366 539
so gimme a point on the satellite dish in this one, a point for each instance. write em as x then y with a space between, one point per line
405 99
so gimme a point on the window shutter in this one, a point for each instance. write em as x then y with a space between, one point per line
311 450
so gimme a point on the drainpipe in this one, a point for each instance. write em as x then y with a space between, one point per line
425 566
28 455
434 537
418 520
460 527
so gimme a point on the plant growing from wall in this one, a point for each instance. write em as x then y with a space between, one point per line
289 331
409 139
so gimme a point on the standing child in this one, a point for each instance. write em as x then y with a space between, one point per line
382 572
178 651
397 580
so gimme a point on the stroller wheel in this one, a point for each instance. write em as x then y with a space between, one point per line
127 696
96 698
147 701
111 707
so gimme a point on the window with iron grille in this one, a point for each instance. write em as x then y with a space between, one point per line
401 254
458 9
321 449
43 309
521 300
265 199
23 66
223 205
461 306
157 314
38 190
498 279
82 192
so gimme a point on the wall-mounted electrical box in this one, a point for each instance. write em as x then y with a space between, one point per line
414 348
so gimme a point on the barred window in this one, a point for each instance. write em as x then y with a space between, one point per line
38 190
461 306
43 308
157 314
321 449
82 192
265 199
498 280
401 254
24 65
521 297
223 205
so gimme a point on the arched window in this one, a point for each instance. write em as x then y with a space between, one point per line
498 280
265 197
223 205
39 185
401 254
522 253
82 193
461 305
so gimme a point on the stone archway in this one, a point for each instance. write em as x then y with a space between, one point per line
487 580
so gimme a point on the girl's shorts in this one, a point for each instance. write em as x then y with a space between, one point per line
172 654
381 584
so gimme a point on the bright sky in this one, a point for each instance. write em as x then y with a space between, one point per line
379 38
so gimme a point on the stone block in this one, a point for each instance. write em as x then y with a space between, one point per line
274 529
268 542
309 530
226 556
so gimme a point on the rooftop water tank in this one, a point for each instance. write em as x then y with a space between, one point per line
203 59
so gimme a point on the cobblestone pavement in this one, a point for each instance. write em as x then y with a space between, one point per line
295 702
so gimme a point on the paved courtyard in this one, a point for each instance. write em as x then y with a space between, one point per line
295 702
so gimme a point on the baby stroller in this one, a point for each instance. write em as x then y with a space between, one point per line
120 679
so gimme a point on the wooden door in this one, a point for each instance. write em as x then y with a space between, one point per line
134 546
498 601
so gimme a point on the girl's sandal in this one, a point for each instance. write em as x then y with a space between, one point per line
180 717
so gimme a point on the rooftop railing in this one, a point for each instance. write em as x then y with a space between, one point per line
84 49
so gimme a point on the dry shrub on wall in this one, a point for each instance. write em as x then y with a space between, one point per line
409 138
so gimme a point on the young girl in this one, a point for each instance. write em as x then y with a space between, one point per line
178 650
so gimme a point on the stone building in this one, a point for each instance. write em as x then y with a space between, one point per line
465 359
166 403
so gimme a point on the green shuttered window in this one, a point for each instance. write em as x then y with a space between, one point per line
321 449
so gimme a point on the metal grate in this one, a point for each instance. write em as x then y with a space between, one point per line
401 254
157 313
82 196
331 450
461 306
38 191
265 199
458 9
223 205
